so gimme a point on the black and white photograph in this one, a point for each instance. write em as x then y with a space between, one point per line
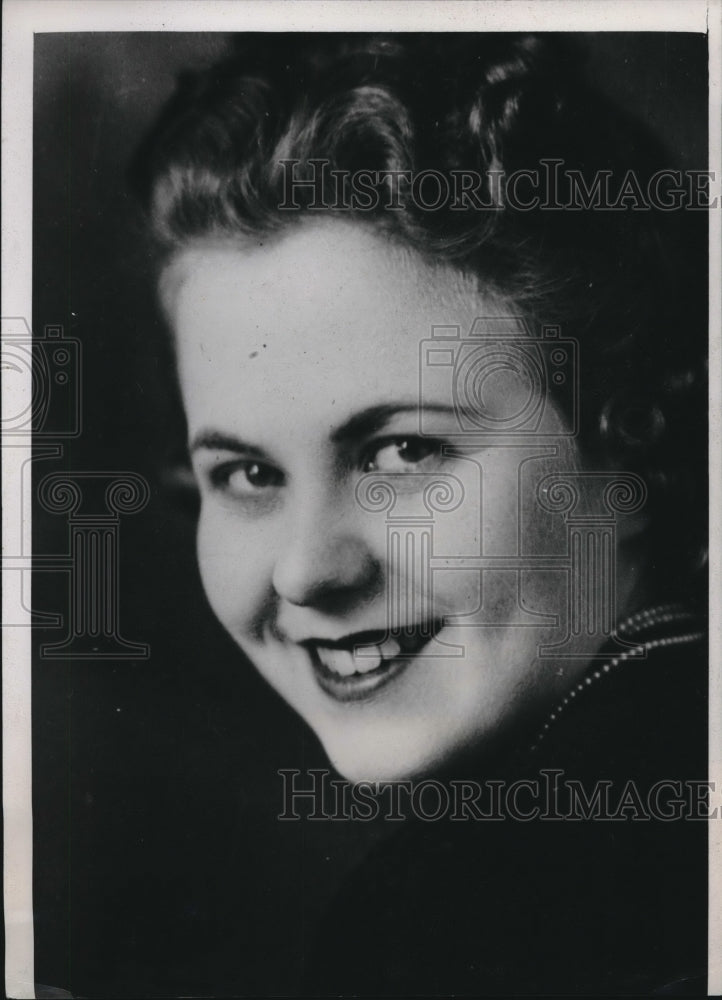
360 452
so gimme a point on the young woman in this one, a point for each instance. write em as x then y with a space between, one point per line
441 366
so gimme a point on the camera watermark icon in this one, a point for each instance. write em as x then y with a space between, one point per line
41 407
43 377
499 376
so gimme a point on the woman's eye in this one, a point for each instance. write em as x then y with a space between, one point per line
405 455
246 479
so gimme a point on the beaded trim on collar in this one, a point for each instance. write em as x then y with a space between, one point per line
640 622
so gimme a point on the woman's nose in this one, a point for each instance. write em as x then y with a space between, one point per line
325 562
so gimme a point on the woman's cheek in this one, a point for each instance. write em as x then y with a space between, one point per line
232 567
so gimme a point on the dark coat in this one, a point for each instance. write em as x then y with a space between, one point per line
550 906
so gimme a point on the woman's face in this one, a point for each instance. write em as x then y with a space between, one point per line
300 364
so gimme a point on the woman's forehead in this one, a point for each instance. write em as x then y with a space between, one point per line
318 327
338 274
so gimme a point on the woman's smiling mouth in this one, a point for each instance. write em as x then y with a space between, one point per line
356 667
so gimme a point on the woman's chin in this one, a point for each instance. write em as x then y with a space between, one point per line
378 761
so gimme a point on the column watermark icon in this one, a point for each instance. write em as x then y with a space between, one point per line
43 375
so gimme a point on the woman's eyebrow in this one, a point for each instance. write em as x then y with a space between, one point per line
373 419
360 425
219 441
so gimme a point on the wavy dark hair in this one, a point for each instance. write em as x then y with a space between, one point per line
629 285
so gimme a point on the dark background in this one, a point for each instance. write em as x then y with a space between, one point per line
160 866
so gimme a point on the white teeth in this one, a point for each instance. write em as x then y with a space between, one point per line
338 660
389 649
369 659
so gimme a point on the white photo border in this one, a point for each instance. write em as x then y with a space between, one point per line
22 19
